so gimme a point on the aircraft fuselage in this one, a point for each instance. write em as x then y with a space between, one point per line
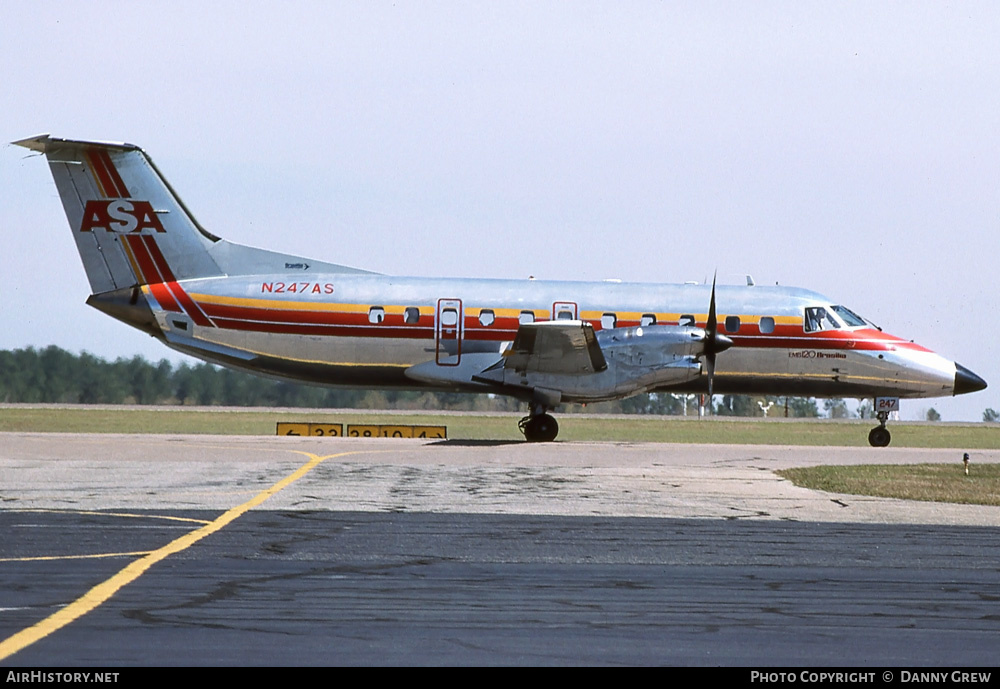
362 330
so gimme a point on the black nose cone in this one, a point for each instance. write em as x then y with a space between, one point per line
967 381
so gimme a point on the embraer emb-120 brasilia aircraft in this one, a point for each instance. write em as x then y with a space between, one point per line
151 265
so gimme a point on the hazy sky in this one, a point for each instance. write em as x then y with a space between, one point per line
851 148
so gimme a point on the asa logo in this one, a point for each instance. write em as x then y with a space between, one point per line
121 216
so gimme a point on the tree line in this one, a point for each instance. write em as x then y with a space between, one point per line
53 375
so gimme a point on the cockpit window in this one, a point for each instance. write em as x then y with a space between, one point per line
818 319
852 319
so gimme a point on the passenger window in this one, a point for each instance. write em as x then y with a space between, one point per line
449 318
766 325
686 320
376 314
526 317
411 315
608 321
647 319
732 324
564 315
486 317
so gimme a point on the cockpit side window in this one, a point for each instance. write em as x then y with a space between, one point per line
819 319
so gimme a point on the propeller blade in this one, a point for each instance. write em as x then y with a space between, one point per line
713 322
714 342
710 361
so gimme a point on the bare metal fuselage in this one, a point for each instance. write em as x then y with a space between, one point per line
368 330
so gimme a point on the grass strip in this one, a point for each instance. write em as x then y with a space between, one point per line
927 482
573 427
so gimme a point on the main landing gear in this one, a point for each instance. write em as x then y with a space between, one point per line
880 436
539 426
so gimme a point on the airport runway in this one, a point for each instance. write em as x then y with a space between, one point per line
403 552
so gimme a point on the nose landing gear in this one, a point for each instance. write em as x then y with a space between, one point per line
880 436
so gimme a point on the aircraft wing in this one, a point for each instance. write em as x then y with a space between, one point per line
558 347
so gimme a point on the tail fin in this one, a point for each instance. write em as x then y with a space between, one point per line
129 225
132 229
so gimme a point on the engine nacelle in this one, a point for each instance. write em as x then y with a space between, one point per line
638 359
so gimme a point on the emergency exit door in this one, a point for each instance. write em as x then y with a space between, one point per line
448 331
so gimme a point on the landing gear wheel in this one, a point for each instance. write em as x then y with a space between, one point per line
539 429
879 436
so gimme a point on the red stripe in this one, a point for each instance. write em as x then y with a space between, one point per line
825 343
192 309
288 321
164 296
104 180
331 330
150 274
333 322
116 179
161 263
298 316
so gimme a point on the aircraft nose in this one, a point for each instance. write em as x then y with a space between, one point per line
967 381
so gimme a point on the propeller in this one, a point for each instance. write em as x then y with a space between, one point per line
714 342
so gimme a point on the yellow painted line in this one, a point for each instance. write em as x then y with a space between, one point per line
101 593
97 556
121 514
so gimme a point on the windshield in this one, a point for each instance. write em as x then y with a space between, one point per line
819 318
852 319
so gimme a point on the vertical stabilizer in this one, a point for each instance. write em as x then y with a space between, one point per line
130 227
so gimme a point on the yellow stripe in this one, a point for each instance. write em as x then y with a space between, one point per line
469 312
475 311
103 591
135 266
292 305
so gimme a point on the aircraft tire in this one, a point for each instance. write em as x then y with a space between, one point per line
879 437
541 429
